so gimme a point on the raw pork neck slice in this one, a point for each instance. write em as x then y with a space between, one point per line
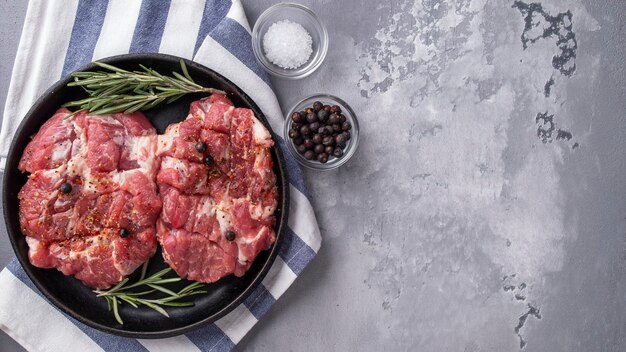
110 163
218 190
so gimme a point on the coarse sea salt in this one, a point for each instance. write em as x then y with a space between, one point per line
287 44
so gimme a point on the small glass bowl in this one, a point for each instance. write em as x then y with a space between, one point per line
350 147
299 14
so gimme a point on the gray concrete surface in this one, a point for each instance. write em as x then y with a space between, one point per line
485 209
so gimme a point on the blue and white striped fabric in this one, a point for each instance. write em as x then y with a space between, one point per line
58 37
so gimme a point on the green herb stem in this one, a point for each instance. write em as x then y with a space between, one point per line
117 90
123 292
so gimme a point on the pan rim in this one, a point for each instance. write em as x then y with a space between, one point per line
282 182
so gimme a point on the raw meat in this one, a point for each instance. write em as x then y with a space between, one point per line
205 203
110 162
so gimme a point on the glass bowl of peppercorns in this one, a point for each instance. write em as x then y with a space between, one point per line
321 132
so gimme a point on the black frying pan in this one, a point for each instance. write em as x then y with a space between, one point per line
76 299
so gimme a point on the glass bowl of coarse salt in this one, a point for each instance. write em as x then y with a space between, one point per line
289 40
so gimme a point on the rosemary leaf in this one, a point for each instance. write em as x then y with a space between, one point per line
110 109
183 67
116 311
101 103
110 67
164 290
162 272
81 74
136 107
137 294
117 287
157 308
118 90
166 89
144 270
167 281
183 78
155 102
129 301
129 293
115 90
79 102
190 287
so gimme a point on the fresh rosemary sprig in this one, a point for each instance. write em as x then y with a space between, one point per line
135 297
118 90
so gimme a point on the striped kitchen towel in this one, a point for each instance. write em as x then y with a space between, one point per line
60 36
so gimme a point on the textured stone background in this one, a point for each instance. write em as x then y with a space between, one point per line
485 208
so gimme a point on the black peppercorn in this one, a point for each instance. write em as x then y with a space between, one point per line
328 140
230 236
342 118
65 188
340 140
123 233
308 110
338 152
322 115
305 130
333 119
309 155
201 147
326 108
346 126
336 127
329 150
298 141
293 133
317 138
314 126
296 117
322 130
208 160
347 134
301 148
317 106
318 149
335 109
308 143
311 117
322 158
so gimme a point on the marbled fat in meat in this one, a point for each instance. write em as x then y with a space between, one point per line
201 203
111 163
